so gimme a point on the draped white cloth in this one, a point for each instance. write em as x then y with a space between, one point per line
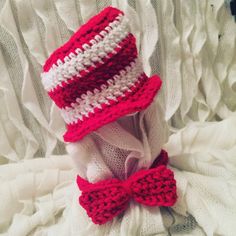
192 45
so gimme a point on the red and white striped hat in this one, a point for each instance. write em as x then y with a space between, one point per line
96 77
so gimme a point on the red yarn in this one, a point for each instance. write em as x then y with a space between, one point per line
67 93
85 33
162 159
141 96
91 76
108 198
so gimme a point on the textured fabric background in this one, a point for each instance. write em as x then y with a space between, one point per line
190 44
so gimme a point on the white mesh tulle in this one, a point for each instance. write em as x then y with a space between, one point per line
120 148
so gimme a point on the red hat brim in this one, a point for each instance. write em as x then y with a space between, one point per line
135 102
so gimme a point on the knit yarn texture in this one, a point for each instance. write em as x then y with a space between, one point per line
108 198
97 76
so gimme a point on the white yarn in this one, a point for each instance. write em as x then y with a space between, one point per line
81 59
118 86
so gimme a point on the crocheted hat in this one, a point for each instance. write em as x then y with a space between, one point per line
96 77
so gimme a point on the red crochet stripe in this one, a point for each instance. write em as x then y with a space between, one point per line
96 77
85 33
106 199
141 96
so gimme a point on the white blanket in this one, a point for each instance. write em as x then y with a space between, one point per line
192 46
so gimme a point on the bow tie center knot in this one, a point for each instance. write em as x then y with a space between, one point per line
127 186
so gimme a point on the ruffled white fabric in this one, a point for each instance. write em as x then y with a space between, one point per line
192 46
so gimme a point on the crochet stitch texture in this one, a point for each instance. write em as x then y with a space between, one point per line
108 198
96 77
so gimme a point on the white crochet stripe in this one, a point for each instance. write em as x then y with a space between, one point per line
118 85
102 44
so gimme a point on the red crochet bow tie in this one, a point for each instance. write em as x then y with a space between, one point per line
108 198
